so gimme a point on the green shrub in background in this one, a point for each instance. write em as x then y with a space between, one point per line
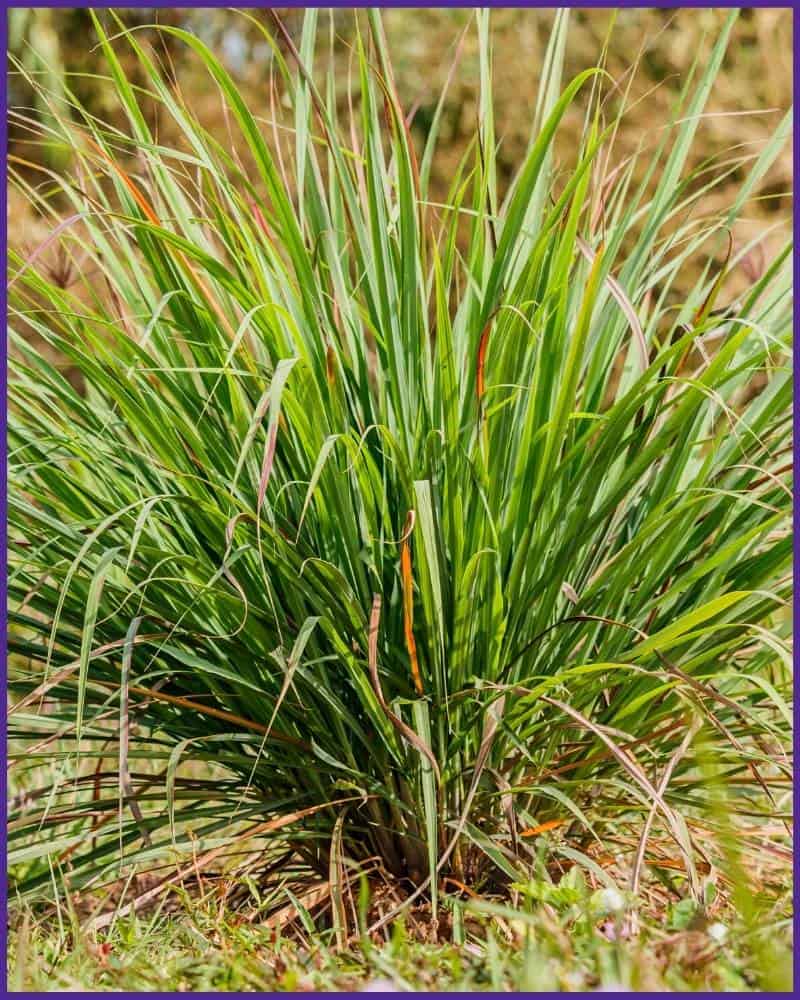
32 39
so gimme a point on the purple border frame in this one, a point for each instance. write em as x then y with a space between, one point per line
794 6
4 508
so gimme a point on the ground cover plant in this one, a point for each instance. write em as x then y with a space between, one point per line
392 555
198 947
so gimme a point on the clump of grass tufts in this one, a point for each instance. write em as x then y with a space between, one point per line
434 526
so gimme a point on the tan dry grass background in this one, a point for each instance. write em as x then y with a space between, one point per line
658 46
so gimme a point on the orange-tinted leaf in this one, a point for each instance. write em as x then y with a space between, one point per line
460 885
702 867
551 824
136 194
408 601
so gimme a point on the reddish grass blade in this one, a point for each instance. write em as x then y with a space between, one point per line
45 244
405 731
551 824
408 601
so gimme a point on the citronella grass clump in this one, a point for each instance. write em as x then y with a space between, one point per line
382 531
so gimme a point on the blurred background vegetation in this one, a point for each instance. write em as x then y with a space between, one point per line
651 50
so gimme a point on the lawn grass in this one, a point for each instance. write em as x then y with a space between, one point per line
201 946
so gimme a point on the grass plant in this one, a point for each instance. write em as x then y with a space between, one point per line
388 535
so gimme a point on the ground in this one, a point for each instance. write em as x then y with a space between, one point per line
576 942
